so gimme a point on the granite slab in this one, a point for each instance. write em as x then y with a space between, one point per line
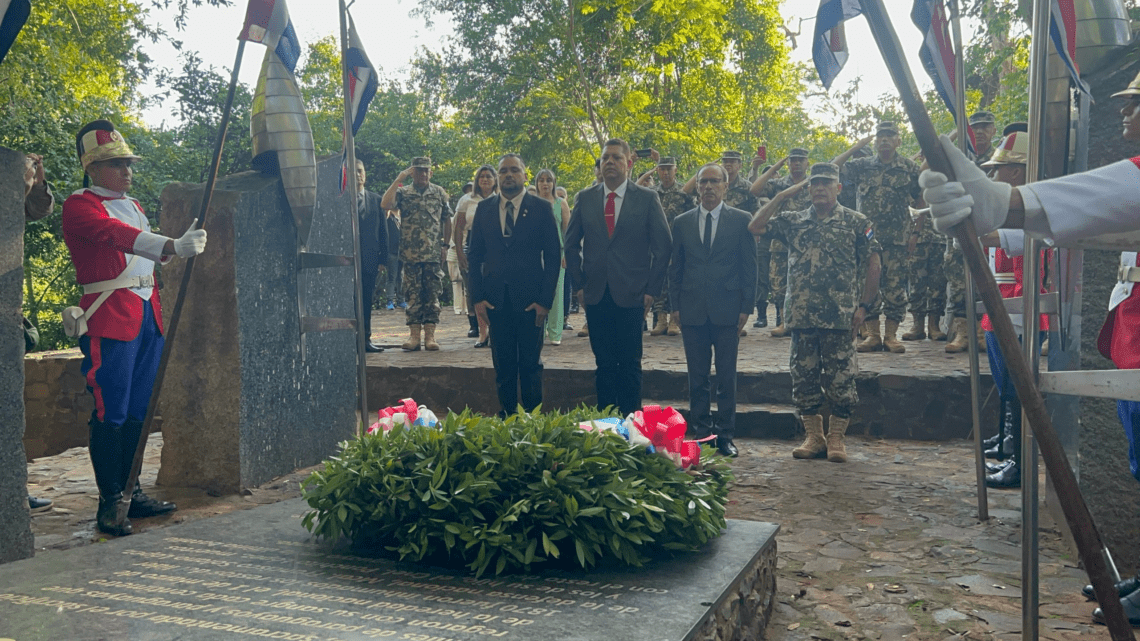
258 574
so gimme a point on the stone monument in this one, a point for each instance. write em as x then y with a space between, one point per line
241 404
16 541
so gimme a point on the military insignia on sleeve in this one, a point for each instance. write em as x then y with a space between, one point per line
870 233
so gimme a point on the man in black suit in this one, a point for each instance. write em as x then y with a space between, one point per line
617 250
513 267
712 278
373 248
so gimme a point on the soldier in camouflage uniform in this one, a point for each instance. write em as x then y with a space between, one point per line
674 202
983 125
827 244
927 292
425 214
887 184
767 186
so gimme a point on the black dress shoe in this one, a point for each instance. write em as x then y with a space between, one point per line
1131 610
997 467
1002 451
1008 477
761 322
1124 588
482 343
992 441
473 332
372 348
111 517
567 327
725 447
143 506
38 505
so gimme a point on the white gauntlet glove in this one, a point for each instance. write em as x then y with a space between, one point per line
192 243
973 194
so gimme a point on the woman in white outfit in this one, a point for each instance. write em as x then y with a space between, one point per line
485 186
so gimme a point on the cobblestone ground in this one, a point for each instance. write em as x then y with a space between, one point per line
886 546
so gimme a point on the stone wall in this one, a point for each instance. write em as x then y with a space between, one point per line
16 540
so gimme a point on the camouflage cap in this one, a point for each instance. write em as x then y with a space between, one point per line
667 161
887 127
421 162
982 118
798 152
732 155
1133 88
827 170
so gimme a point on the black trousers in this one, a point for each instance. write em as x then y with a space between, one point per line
369 269
516 349
615 338
701 342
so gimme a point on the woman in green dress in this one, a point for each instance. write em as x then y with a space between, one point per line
546 184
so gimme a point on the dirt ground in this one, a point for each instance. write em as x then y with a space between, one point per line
886 546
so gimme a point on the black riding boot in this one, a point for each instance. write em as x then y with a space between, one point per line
761 315
105 446
1010 475
473 322
142 505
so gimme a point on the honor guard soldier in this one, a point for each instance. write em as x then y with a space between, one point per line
425 227
119 319
887 185
828 246
674 202
767 186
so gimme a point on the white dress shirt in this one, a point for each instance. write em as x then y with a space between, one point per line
715 220
517 200
620 191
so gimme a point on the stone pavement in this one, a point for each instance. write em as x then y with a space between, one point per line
886 546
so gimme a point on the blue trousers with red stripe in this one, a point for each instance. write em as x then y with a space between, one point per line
120 374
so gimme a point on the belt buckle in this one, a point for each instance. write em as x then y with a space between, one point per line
146 281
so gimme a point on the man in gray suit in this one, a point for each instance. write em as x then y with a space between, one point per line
712 278
617 252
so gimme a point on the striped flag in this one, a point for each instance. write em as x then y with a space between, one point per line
1063 33
829 47
937 53
362 85
267 22
15 14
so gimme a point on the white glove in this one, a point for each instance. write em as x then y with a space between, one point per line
972 194
192 243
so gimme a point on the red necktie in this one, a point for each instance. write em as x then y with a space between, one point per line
610 215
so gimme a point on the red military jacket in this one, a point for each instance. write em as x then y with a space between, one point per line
103 230
1119 338
1008 274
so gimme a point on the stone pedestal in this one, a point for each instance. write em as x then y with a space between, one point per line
16 540
239 405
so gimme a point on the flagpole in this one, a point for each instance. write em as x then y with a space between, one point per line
1085 534
187 273
350 170
971 295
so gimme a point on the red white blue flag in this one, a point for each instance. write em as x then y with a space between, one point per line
937 53
362 85
267 22
829 46
1063 33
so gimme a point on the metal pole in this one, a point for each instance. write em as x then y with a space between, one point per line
1077 514
188 271
350 145
971 295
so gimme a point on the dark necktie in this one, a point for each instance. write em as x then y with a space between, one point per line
509 229
610 213
708 231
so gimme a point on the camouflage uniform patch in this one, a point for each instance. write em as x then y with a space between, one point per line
778 275
927 277
823 366
824 260
674 202
884 192
422 219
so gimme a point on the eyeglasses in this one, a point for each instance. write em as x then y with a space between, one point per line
710 181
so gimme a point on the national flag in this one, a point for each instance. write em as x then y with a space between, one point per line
829 47
1063 33
937 53
15 14
267 22
362 85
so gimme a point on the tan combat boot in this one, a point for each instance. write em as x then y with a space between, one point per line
961 341
836 448
781 331
873 340
585 331
662 325
813 446
918 332
674 329
934 329
429 338
413 342
890 341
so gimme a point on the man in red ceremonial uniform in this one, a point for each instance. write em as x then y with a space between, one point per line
1093 203
119 319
